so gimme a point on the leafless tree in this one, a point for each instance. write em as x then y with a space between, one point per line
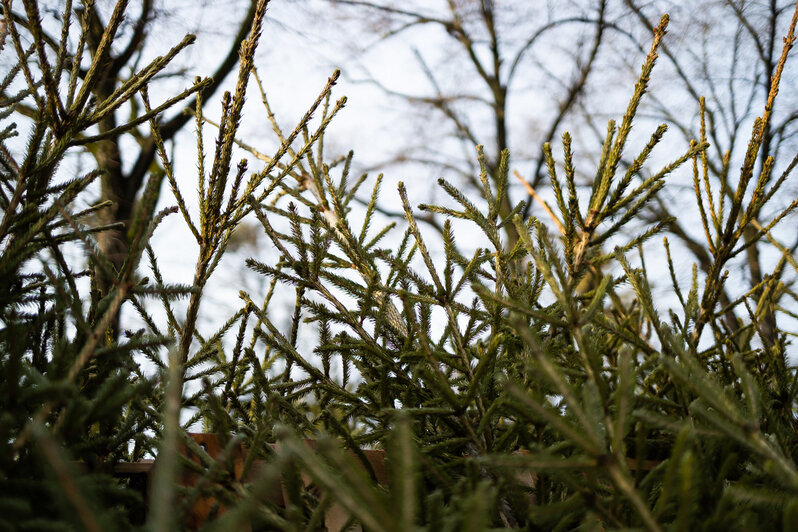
723 59
481 57
720 58
125 170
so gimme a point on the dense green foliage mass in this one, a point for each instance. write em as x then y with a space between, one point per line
534 386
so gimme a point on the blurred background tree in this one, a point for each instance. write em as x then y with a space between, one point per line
126 160
505 75
735 80
516 74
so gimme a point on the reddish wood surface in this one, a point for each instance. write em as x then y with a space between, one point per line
207 507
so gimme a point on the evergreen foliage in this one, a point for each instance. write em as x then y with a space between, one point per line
537 386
